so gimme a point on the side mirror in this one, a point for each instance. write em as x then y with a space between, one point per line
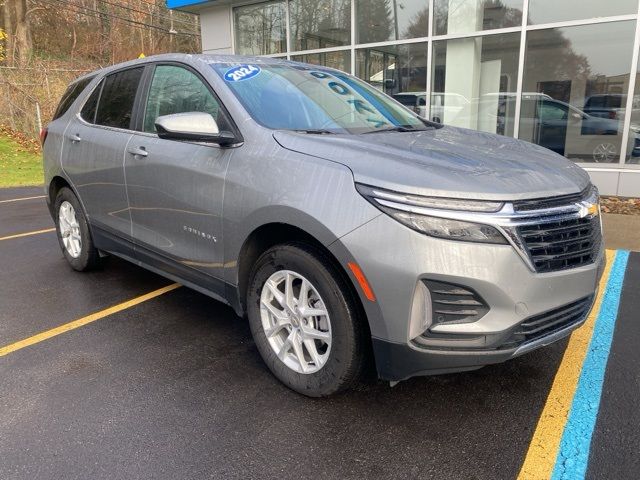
195 126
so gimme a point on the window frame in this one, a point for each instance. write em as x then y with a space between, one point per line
143 97
70 88
100 83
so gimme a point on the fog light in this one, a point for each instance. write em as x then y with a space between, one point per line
420 318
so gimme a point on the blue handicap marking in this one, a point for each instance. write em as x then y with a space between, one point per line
573 456
241 72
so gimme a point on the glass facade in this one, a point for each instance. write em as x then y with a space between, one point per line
466 16
340 59
317 24
475 82
394 69
383 20
577 89
549 11
261 29
562 74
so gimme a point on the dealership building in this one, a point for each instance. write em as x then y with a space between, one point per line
559 73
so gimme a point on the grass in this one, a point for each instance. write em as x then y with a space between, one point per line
18 166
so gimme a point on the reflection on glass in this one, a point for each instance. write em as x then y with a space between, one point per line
295 97
547 11
340 60
382 20
319 23
397 70
260 29
465 16
575 88
635 121
474 82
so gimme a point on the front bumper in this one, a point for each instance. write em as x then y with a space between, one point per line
395 258
397 362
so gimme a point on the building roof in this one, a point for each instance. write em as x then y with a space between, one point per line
191 6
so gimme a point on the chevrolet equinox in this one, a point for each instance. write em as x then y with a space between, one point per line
348 229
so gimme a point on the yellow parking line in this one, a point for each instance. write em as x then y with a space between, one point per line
543 448
40 337
21 199
18 235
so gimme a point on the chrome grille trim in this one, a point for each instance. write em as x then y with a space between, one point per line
544 325
562 245
549 202
508 220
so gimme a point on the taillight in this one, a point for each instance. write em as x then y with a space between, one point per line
43 135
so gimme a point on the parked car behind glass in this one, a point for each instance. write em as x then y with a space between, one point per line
558 126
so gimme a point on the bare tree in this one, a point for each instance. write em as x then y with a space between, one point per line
23 45
7 25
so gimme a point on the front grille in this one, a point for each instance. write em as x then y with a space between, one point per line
562 244
452 303
548 323
551 202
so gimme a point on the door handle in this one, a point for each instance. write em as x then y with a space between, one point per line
138 152
75 138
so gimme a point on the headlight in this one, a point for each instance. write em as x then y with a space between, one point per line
392 203
447 228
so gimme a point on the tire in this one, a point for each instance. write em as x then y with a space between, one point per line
72 226
340 362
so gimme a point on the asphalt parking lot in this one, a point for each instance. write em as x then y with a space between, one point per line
173 387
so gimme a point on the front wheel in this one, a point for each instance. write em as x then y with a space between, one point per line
73 232
304 321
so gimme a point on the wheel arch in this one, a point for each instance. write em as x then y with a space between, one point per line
266 236
270 234
57 183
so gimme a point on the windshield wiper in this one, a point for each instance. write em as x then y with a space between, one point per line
398 128
315 131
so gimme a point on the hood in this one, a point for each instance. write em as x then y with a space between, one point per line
446 162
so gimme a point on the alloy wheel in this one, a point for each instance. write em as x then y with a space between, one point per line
605 153
69 229
295 321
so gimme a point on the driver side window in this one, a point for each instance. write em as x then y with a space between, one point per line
177 90
550 111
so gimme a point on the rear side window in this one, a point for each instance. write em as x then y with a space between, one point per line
116 101
88 112
70 95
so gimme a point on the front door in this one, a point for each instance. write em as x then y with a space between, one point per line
552 123
176 187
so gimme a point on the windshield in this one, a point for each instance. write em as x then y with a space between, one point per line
314 99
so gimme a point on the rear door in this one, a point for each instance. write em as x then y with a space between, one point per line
93 157
53 147
176 187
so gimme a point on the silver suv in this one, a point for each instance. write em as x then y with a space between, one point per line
350 231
